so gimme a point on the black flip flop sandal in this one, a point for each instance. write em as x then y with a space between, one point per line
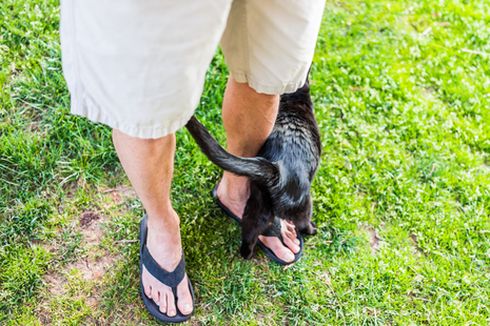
274 230
171 279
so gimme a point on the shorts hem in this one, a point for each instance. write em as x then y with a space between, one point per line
242 77
95 114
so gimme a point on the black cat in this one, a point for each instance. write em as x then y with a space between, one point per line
281 174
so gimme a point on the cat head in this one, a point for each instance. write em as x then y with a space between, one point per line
289 191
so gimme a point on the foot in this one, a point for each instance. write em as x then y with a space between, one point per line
164 245
233 192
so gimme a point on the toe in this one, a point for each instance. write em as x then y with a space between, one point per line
146 280
278 248
147 290
285 254
291 245
171 310
290 232
289 226
291 241
164 301
184 302
156 297
288 235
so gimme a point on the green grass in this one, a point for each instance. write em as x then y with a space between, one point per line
402 94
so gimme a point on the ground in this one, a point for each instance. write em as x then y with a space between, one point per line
402 198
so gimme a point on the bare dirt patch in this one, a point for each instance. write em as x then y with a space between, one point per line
55 283
120 193
87 217
91 227
89 268
95 262
94 268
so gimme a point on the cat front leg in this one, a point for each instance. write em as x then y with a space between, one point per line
250 232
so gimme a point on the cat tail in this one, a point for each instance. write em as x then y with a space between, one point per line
256 168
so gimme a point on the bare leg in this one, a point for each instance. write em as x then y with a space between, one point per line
248 118
149 166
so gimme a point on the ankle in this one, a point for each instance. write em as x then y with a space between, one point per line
234 187
164 221
164 231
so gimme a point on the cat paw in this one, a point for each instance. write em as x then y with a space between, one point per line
310 229
246 251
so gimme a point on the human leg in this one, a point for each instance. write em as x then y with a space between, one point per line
148 164
248 118
268 47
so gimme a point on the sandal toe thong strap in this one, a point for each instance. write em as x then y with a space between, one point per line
171 279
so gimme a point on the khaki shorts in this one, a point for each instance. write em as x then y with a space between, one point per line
139 65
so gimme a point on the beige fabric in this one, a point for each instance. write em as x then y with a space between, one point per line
270 43
139 65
